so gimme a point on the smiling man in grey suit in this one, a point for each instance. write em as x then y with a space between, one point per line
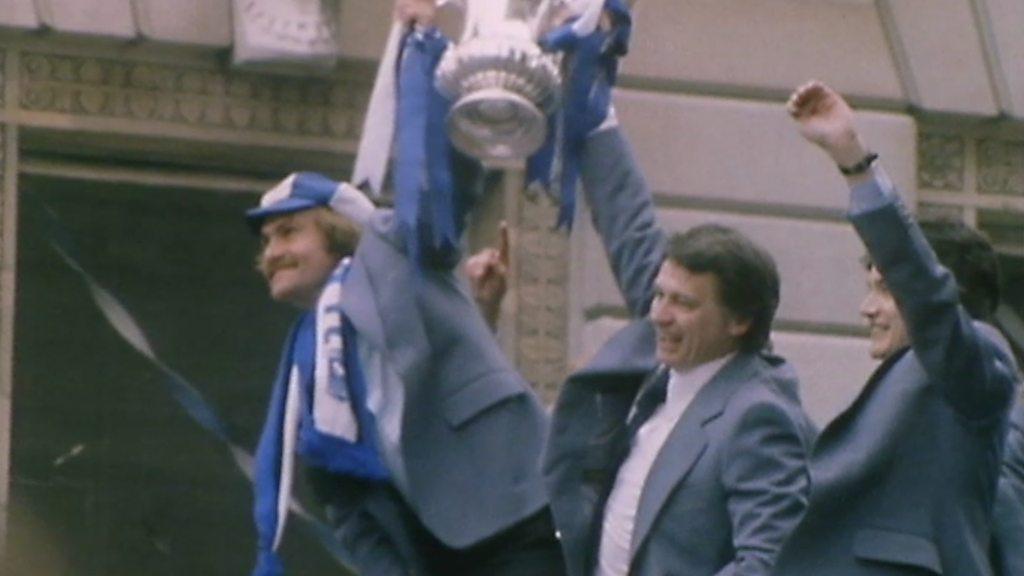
903 481
681 448
444 493
394 393
438 490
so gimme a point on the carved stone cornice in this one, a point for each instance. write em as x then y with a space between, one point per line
311 28
940 162
276 33
194 96
1001 167
543 274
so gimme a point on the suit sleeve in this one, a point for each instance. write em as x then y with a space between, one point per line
468 184
765 476
623 214
1008 514
974 373
368 524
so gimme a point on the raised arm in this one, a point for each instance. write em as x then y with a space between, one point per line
973 372
623 214
434 184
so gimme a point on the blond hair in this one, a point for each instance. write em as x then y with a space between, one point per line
340 233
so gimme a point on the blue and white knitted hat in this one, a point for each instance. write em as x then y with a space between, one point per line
305 190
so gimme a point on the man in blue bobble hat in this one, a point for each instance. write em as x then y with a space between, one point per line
396 397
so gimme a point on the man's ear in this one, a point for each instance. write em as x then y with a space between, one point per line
738 327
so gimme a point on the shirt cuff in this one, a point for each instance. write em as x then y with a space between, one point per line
872 194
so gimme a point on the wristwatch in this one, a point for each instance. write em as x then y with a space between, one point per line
860 167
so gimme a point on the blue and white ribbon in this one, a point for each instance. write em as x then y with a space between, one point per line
429 212
593 62
374 151
378 133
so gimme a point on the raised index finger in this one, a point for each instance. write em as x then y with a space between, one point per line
503 243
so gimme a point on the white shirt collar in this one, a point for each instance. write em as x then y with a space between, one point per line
684 384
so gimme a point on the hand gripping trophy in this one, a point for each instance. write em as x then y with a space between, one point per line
503 88
505 101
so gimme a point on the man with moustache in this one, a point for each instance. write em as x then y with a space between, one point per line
394 393
903 481
433 486
444 493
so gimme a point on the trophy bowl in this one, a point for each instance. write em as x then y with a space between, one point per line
503 88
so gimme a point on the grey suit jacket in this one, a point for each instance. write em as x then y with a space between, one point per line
730 481
1008 516
904 479
472 429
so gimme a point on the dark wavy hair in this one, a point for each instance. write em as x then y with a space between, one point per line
748 280
969 255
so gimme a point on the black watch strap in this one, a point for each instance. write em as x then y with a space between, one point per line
860 167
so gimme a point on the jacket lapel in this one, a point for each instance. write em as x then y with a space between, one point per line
685 445
360 306
580 458
842 421
629 350
381 299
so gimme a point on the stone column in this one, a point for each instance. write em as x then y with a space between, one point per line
534 321
8 266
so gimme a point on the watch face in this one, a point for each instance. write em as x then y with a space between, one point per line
310 23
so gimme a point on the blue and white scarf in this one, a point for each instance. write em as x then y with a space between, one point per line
318 411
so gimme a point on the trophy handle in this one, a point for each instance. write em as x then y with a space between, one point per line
486 16
544 11
471 15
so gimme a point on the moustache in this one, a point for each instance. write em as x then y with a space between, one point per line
271 266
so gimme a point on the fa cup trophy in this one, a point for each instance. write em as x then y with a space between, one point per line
502 86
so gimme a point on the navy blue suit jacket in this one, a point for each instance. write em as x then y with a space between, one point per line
903 481
1008 516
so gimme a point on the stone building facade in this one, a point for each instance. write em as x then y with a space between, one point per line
222 96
